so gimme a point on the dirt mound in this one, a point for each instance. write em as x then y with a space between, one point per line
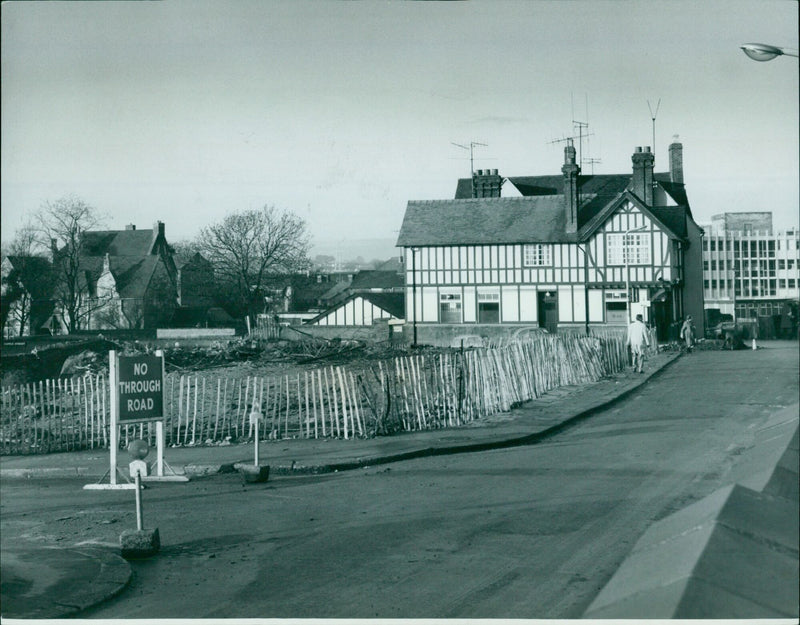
47 362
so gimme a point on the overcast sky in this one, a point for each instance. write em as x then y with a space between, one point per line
341 112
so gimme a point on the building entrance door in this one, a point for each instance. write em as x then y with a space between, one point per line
548 310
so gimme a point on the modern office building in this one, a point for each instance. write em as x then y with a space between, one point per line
750 271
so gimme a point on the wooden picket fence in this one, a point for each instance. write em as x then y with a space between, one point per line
406 393
264 328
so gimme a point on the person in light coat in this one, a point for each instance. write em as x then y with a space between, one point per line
687 333
637 341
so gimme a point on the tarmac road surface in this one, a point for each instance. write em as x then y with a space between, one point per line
525 532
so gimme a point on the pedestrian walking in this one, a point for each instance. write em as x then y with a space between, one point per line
637 340
687 333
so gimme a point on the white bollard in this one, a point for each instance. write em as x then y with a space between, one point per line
139 518
255 419
255 472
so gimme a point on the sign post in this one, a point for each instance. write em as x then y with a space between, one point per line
137 395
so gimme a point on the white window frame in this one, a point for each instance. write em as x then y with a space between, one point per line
634 245
455 300
537 255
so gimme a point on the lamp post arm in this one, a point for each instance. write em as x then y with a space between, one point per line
766 52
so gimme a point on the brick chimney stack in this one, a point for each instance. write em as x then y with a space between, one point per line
571 171
676 160
486 183
642 181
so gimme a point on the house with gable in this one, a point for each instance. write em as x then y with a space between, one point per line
372 294
127 279
130 278
559 252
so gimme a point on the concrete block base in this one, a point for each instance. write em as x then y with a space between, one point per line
137 544
252 474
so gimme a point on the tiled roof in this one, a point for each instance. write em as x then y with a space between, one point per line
197 261
530 186
335 291
133 274
676 190
118 242
485 221
393 264
538 216
393 303
673 217
375 279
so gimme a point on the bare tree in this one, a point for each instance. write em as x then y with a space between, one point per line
25 277
248 247
62 224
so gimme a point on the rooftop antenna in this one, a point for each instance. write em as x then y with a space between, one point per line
568 140
580 126
471 146
653 117
592 161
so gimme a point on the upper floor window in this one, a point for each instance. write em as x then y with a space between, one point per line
537 255
631 249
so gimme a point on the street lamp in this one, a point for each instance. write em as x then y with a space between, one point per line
582 248
765 52
627 267
414 292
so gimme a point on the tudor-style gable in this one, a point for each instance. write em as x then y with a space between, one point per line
567 249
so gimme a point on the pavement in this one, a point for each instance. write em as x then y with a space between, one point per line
48 583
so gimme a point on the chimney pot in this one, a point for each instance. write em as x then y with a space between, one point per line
642 180
647 149
570 170
494 172
130 227
676 161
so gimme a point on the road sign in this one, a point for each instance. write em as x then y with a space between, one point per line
140 388
137 394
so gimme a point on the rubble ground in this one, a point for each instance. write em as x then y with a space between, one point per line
236 358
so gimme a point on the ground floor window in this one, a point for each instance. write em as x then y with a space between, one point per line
450 308
616 312
488 308
616 307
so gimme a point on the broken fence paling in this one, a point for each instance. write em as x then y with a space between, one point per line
416 392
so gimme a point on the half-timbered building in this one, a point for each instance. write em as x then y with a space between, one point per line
569 251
